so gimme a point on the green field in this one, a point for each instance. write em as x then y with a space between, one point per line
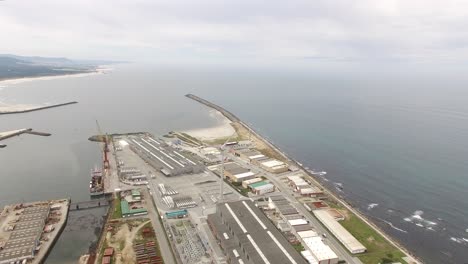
117 210
379 250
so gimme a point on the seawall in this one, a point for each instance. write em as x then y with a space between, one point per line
36 108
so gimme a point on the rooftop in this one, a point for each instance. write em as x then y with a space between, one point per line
318 249
262 242
348 240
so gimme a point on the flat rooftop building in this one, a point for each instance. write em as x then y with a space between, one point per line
322 253
348 240
168 160
247 236
236 173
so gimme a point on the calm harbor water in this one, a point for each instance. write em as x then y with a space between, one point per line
398 148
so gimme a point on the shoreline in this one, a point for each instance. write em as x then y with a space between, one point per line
231 117
101 69
222 130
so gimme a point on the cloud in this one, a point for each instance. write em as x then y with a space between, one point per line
352 31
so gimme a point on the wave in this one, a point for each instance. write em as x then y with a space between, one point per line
418 219
394 227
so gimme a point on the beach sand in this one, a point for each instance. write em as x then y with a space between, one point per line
99 70
224 129
5 107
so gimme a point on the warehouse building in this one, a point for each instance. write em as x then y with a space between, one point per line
262 187
165 158
247 236
236 173
274 166
249 155
320 253
246 183
350 242
302 187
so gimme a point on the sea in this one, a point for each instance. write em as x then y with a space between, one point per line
395 148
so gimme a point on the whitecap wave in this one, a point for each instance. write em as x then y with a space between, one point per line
418 219
394 227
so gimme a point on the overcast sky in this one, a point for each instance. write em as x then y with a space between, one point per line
408 31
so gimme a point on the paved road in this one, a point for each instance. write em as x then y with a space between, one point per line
286 190
164 246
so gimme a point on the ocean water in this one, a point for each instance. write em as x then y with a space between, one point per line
397 146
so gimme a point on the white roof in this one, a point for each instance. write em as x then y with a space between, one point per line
348 240
266 186
296 222
294 177
256 156
254 180
308 233
307 190
318 249
272 163
243 175
309 257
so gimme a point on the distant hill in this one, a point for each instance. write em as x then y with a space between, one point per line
13 66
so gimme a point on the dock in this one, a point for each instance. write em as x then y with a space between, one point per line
28 231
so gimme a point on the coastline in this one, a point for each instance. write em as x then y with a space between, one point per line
101 69
234 119
223 130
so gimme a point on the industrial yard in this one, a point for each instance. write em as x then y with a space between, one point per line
28 231
239 201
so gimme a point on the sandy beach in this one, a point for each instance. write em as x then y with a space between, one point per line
99 70
224 128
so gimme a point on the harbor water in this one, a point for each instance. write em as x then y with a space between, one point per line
397 149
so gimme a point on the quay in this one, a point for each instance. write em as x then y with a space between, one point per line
28 231
26 110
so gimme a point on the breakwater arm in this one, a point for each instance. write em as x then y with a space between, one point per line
26 110
226 113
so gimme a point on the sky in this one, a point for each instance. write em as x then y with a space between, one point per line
294 32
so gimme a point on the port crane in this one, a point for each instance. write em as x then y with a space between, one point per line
105 151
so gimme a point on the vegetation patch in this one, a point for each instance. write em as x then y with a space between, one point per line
116 209
379 250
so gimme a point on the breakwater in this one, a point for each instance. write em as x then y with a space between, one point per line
26 110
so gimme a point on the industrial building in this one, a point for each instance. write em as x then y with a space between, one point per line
348 240
262 187
128 211
246 183
236 173
303 187
318 252
165 158
249 155
274 166
246 235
